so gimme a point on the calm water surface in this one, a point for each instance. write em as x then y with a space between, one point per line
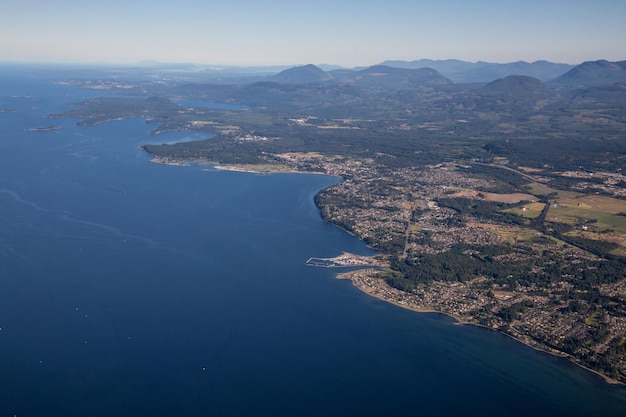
129 288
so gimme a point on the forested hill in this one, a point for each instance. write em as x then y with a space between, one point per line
594 73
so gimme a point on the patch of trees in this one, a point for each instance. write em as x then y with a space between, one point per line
506 181
487 210
514 311
215 149
616 353
464 262
597 247
584 152
461 264
382 240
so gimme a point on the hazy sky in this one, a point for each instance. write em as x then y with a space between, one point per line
345 32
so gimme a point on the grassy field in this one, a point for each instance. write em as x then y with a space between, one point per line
529 211
538 189
595 211
595 217
515 236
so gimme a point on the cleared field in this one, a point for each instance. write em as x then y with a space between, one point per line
508 198
498 198
597 211
529 211
529 170
601 203
514 236
541 189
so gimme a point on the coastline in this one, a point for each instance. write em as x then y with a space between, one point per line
258 169
399 297
357 279
169 161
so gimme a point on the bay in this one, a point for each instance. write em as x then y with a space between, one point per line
131 288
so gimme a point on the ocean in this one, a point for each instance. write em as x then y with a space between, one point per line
131 288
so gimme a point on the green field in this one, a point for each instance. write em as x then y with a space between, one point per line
539 189
529 211
595 211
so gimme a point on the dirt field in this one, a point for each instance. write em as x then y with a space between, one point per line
529 170
498 198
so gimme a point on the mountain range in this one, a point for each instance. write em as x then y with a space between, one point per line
466 72
516 76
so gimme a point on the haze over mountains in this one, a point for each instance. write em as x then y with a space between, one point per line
394 73
464 72
397 73
377 75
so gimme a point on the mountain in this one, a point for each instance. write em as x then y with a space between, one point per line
590 73
516 96
389 77
465 72
541 70
515 84
307 74
445 67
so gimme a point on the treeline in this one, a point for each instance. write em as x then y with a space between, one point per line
463 263
584 152
486 210
514 311
504 180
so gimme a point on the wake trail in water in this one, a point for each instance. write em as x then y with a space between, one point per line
69 217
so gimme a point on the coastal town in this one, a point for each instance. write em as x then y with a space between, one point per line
400 213
397 211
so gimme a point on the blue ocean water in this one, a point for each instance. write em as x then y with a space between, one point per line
129 288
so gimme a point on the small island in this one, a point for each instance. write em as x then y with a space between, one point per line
44 129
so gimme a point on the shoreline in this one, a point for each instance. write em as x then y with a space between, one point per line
265 169
372 291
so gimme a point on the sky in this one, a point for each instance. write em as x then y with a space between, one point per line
343 32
